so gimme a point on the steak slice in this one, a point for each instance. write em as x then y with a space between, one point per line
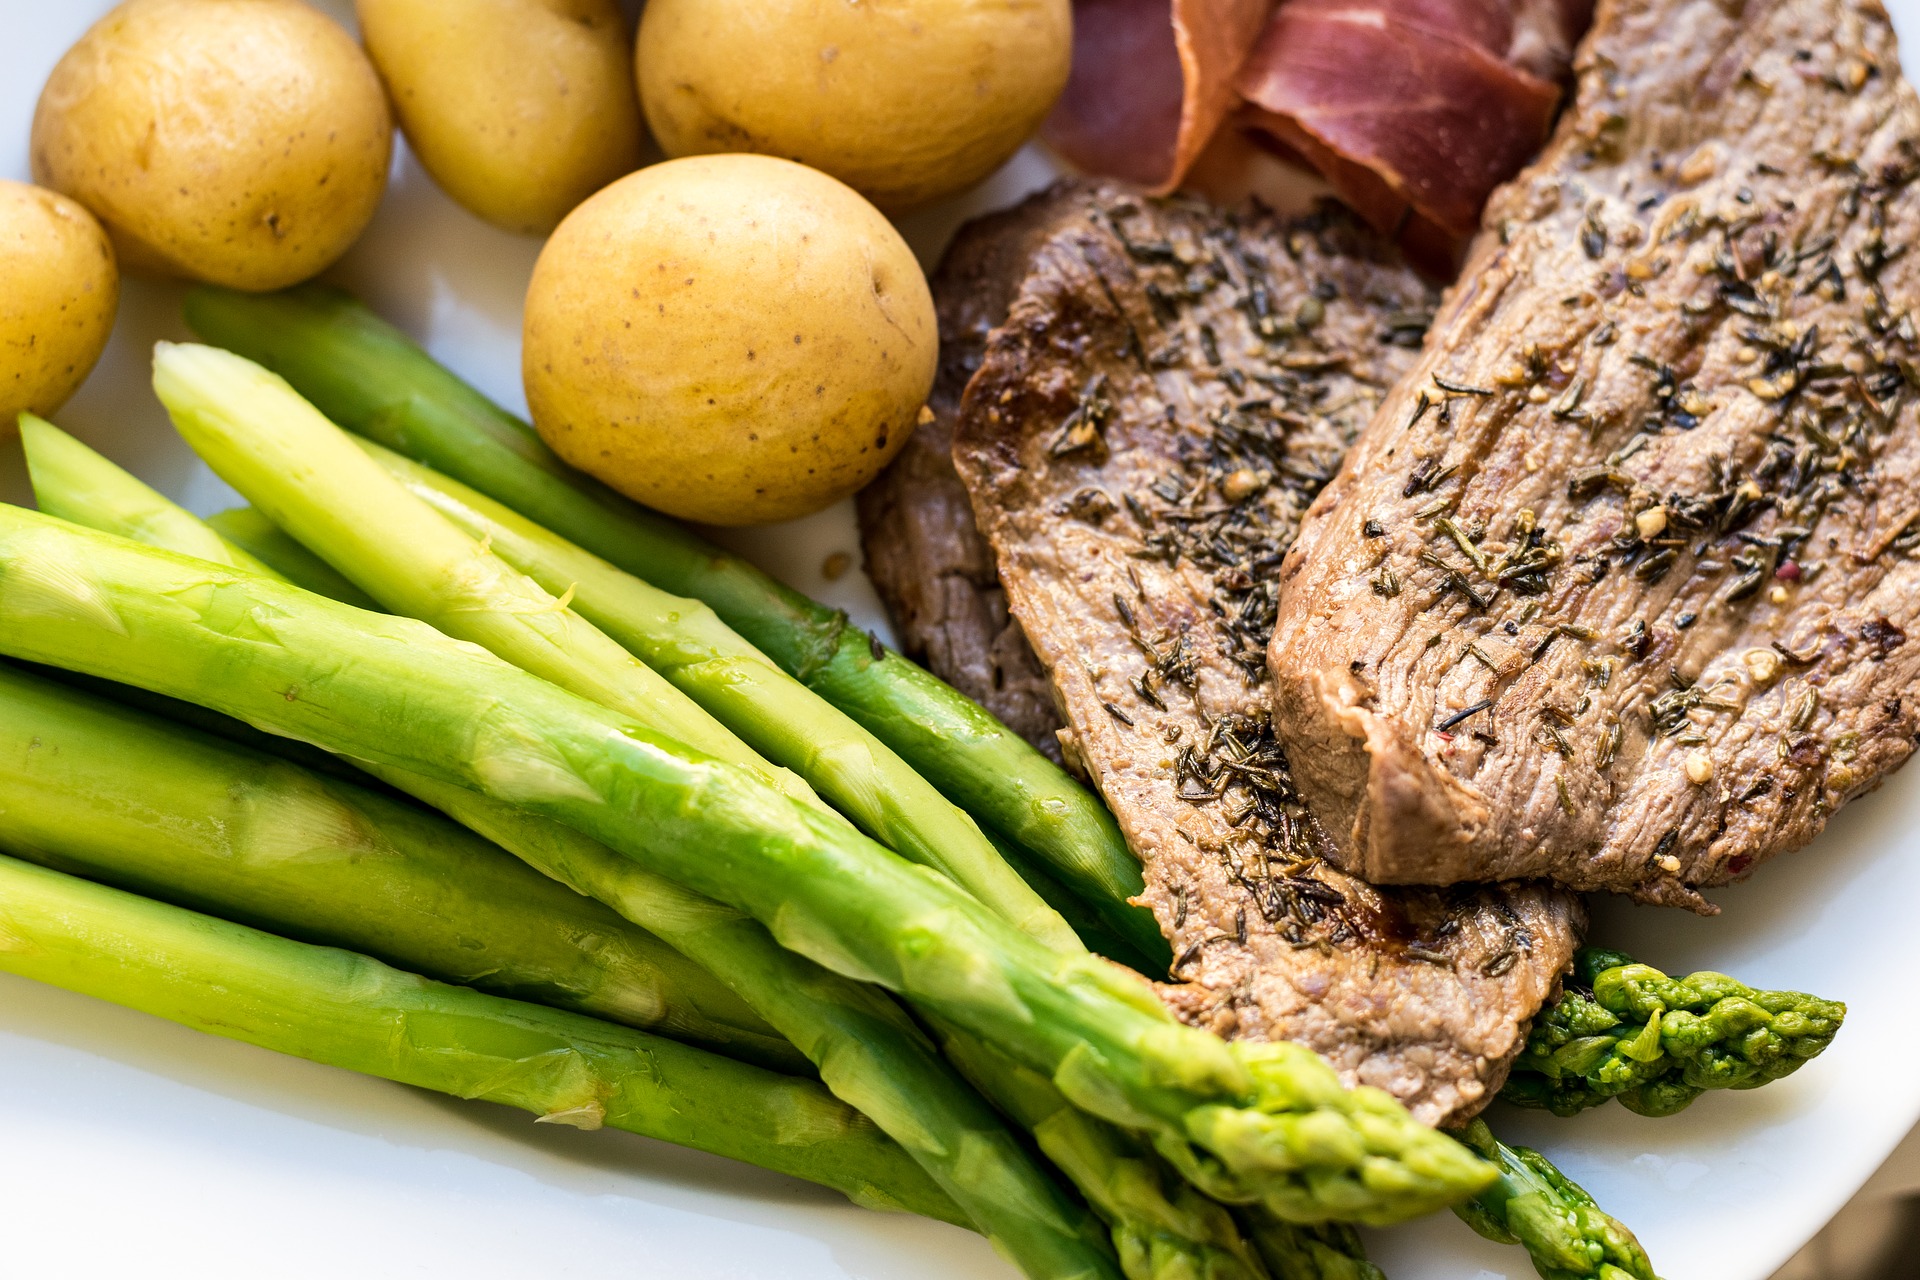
1169 390
934 571
1616 587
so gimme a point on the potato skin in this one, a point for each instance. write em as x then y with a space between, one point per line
906 101
242 142
520 109
731 339
57 306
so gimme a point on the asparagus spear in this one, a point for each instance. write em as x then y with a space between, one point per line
1326 1251
869 1053
1535 1205
346 1010
371 379
317 484
1245 1122
109 793
1628 1031
776 714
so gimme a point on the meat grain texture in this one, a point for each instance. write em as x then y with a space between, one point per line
1617 588
1169 389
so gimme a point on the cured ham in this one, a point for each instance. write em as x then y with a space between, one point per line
1151 84
1413 109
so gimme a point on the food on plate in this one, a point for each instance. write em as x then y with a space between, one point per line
1536 1206
733 339
520 109
259 436
740 686
1147 424
1628 1031
924 552
1251 1122
370 378
243 142
871 1054
1616 587
904 102
1415 112
350 1011
1152 81
58 305
117 795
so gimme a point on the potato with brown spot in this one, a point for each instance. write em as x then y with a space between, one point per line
57 303
520 109
241 142
906 101
732 339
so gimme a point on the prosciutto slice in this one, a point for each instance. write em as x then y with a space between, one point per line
1151 84
1414 110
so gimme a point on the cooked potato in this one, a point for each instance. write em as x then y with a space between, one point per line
732 339
904 100
243 142
520 109
56 309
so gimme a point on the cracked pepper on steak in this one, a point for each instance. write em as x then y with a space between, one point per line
1618 586
1169 388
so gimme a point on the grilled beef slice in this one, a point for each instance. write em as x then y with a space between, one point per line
1617 586
934 571
1170 388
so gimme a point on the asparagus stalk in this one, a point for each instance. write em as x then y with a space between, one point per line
1536 1206
776 714
1245 1122
247 530
869 1052
371 379
1628 1031
349 1011
112 794
75 483
1326 1251
247 425
277 450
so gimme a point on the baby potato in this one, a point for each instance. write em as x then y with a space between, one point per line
57 307
904 100
520 109
732 339
242 142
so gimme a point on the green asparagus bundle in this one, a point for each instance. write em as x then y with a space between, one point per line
112 794
346 1010
869 1053
371 379
314 482
1628 1031
1535 1205
1244 1122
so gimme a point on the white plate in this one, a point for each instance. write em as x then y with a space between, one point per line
134 1146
